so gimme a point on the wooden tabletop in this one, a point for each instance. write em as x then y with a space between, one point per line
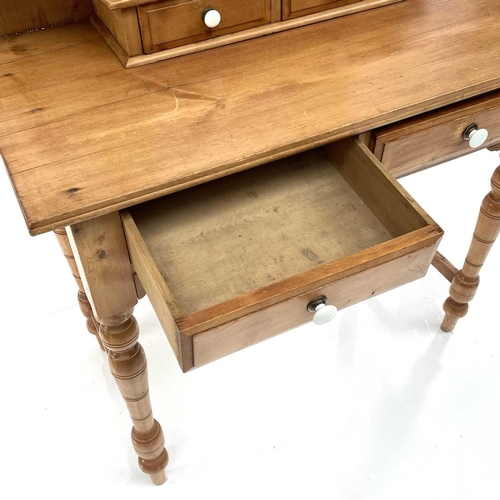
81 136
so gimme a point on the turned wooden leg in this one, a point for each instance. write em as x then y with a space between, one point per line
128 365
465 283
83 301
102 258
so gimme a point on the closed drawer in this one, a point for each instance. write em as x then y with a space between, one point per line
237 260
297 8
178 22
412 145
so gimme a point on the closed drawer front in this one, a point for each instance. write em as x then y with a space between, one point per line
412 145
297 8
237 260
178 22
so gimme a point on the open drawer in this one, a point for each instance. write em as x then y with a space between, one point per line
237 260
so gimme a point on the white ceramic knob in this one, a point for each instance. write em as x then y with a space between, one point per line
323 313
476 136
211 18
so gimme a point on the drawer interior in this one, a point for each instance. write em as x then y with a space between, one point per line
233 246
224 239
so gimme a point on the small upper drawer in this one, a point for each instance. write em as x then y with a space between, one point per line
435 137
178 22
146 31
237 260
298 8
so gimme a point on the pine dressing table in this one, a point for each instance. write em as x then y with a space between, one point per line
231 186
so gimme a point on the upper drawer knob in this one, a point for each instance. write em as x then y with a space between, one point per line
322 312
211 18
475 135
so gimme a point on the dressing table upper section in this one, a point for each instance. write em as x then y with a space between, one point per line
82 136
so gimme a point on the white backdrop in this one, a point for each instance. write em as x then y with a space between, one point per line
377 405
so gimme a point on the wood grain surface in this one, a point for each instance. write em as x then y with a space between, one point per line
18 16
83 137
102 258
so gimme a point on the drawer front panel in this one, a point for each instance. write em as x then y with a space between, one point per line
235 261
418 143
178 22
298 8
267 323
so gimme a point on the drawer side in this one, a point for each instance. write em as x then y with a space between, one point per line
385 197
123 25
157 291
